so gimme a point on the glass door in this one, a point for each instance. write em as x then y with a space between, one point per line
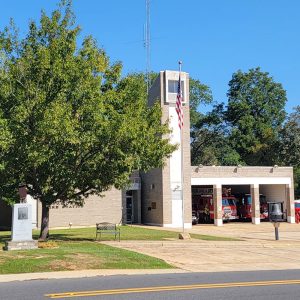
129 207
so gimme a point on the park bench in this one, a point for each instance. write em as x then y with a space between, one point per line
107 228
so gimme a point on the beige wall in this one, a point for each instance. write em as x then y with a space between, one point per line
274 193
96 209
152 192
238 172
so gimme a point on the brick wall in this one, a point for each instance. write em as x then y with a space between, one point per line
96 209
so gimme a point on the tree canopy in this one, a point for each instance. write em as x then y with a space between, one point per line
288 146
210 143
252 129
255 113
70 126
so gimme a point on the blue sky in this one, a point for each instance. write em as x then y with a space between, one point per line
213 38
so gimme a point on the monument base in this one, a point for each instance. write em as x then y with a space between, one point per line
20 245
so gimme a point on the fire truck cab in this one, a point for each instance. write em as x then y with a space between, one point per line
202 204
244 206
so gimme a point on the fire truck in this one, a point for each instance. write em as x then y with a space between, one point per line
202 204
244 206
297 210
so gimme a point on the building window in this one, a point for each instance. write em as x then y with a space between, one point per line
173 87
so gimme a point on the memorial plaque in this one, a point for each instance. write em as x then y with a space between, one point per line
21 222
22 213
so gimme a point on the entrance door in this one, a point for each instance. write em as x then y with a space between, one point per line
129 207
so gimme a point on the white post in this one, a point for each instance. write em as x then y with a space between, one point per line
181 148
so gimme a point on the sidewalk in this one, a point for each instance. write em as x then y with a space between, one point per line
257 250
84 273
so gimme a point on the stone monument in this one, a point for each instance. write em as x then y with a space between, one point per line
21 231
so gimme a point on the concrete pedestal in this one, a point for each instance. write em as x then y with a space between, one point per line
21 245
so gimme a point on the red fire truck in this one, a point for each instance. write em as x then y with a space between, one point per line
297 211
244 206
202 204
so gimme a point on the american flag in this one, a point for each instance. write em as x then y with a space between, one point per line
179 109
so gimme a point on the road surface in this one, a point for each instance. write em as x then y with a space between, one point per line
264 285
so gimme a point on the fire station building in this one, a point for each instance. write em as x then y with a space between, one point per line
164 196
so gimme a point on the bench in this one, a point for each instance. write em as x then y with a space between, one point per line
107 228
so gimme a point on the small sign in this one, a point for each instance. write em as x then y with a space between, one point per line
22 213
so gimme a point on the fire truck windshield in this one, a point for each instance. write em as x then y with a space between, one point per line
227 202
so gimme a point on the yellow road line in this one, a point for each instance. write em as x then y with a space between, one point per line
171 288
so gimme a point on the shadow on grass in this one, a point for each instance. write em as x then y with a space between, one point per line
65 237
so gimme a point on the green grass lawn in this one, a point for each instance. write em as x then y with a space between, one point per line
76 249
75 256
127 233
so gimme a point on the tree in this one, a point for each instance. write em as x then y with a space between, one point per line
199 94
74 128
209 140
204 129
255 113
288 146
289 140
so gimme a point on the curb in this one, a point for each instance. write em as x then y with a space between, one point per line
85 274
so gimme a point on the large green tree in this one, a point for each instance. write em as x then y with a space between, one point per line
288 146
200 95
72 127
209 140
255 114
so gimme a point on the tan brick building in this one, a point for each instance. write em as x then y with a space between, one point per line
162 196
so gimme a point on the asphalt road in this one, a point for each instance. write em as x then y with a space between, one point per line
264 285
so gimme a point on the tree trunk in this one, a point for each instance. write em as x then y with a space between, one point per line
44 234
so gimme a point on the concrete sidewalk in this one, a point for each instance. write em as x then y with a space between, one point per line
84 273
257 250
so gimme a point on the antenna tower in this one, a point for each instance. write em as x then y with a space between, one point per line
147 44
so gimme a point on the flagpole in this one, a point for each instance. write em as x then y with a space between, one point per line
181 150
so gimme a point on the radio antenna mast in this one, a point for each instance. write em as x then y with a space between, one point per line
147 44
